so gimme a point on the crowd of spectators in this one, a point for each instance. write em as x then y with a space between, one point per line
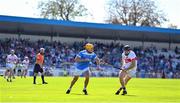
152 62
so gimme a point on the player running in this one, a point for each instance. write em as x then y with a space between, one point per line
82 62
25 65
11 61
38 67
128 68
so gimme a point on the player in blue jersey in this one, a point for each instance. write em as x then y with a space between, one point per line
82 62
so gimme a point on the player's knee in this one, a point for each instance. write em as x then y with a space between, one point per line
35 74
87 77
42 73
121 75
76 77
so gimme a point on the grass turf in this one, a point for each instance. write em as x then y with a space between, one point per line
101 90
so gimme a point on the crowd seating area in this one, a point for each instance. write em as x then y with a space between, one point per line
152 62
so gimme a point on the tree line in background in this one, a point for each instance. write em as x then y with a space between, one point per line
124 12
61 9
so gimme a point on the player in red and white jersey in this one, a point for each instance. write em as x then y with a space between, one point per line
25 65
11 61
128 68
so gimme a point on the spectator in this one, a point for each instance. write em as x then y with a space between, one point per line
151 61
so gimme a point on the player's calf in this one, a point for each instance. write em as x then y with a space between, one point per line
118 91
124 91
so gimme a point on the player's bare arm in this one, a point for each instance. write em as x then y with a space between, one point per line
98 62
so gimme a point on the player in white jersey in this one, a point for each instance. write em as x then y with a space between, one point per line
25 65
11 61
18 67
82 63
128 68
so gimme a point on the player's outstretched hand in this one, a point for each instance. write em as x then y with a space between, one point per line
124 70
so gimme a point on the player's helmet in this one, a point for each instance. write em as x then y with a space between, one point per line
89 47
42 50
26 57
12 51
126 48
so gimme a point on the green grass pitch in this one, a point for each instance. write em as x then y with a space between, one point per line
101 90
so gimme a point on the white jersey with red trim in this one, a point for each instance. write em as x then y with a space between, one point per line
12 59
25 64
127 60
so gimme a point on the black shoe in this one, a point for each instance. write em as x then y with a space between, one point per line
117 93
10 80
124 92
68 91
34 82
44 83
7 80
85 92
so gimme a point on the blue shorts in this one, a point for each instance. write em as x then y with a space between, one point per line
78 72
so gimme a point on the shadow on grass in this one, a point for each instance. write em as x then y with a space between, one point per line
130 95
76 94
37 84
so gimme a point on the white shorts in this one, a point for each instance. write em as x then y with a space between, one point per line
24 67
10 66
132 72
78 72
